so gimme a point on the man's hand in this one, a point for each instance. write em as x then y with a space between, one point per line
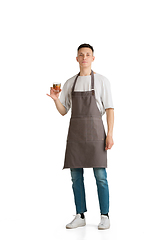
53 93
109 142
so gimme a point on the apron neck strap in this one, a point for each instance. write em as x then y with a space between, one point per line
92 81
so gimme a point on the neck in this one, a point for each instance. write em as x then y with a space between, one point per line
85 71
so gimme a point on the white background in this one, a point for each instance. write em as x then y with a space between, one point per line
38 45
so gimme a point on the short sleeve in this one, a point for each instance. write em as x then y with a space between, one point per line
106 96
65 97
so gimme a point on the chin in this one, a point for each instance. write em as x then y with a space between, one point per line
85 65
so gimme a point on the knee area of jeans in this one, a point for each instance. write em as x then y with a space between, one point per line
74 179
101 179
102 182
75 176
100 176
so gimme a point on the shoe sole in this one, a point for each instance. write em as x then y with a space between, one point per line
103 228
75 227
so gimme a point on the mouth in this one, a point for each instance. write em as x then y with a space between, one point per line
84 62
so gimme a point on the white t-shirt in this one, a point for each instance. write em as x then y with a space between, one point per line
102 91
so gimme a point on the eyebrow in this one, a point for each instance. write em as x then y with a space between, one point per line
82 52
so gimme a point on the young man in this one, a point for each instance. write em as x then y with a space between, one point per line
88 94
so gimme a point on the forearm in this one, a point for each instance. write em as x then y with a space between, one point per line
61 109
110 120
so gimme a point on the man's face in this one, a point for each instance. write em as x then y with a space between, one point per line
85 57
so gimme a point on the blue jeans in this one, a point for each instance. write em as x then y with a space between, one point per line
79 190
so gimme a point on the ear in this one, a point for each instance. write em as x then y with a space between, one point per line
93 58
77 59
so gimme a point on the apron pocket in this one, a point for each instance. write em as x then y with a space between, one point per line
95 130
77 130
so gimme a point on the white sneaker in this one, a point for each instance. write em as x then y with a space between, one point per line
77 222
105 223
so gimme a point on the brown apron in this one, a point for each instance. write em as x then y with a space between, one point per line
86 135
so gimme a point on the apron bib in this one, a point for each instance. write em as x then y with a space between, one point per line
86 138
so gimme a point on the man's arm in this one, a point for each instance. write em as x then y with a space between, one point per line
61 109
110 123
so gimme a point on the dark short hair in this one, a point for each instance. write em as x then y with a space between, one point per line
85 45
